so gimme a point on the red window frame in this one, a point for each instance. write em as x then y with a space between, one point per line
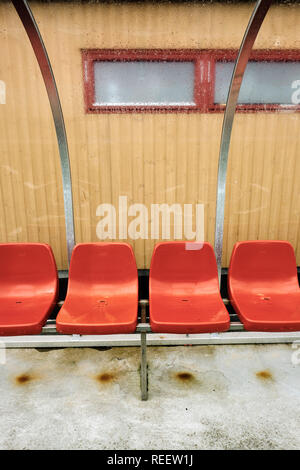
204 79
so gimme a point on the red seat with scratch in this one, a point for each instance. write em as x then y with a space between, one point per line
28 287
263 285
102 295
184 289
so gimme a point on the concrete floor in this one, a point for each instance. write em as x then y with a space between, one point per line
200 397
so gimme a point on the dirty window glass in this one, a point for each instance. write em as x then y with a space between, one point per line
144 83
263 83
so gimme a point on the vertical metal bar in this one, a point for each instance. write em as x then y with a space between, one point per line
143 303
38 46
144 372
144 367
255 22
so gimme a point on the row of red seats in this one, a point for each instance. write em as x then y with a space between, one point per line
102 295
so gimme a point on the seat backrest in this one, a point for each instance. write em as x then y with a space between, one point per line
27 264
184 263
263 263
109 264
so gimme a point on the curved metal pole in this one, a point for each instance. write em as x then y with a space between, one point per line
255 22
38 46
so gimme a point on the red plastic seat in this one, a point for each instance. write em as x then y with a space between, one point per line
263 285
28 287
184 289
102 295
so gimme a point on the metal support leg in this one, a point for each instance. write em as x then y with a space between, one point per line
144 371
143 304
143 328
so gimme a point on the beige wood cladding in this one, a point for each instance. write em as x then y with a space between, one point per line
150 158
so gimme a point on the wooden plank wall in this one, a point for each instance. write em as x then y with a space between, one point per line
150 158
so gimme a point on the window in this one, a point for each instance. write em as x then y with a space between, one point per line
188 80
141 80
144 83
271 81
263 82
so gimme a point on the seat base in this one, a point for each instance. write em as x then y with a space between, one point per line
21 330
189 328
99 315
269 312
95 329
173 314
26 316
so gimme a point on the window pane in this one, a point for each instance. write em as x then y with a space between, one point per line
263 83
144 83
